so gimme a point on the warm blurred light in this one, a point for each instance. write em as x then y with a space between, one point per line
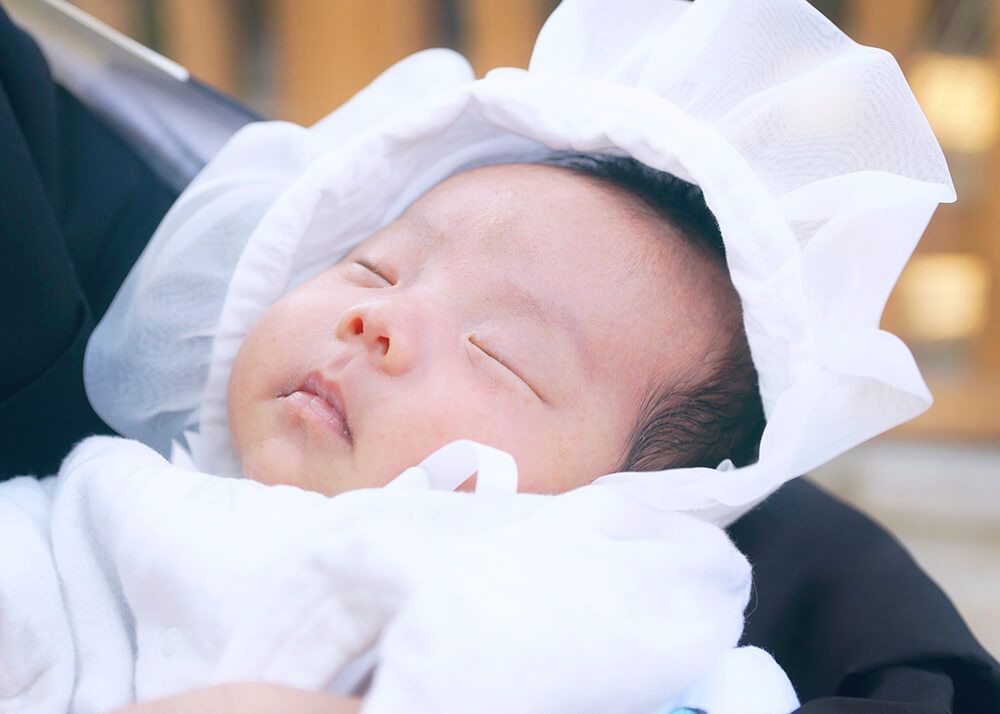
961 96
944 296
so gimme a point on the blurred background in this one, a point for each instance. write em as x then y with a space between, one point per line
935 482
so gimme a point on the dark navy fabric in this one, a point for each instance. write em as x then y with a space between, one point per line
76 209
855 623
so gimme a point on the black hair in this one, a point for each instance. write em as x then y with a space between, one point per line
719 416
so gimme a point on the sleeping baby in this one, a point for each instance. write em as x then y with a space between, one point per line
484 309
484 366
489 308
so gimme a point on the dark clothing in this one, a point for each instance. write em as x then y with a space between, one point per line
856 624
850 617
76 209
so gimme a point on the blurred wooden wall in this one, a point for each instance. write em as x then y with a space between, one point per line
323 51
327 51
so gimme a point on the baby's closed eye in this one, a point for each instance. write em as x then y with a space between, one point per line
488 351
368 272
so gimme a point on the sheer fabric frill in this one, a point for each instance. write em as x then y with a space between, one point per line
810 149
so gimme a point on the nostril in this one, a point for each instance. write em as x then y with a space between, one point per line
383 343
356 326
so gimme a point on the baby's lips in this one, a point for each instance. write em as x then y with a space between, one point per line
320 397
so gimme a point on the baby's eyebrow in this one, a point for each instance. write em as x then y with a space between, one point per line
512 295
521 301
427 233
432 236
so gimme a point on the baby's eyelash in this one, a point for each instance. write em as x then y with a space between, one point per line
489 354
506 366
375 270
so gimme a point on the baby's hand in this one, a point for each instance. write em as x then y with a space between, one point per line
247 698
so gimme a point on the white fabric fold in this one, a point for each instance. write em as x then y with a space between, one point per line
159 580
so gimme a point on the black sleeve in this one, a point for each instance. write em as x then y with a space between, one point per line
853 620
76 209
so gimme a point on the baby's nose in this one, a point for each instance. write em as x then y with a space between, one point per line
385 331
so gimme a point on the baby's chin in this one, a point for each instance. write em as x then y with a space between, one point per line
287 462
278 461
273 462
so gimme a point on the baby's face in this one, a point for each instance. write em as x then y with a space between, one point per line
522 306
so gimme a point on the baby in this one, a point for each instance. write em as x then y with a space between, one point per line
500 286
485 312
575 313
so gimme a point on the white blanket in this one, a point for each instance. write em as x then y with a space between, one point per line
128 578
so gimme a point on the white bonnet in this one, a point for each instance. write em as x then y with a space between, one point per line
810 149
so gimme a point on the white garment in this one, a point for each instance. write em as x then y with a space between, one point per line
136 579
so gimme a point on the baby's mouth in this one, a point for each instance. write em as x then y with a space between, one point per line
319 400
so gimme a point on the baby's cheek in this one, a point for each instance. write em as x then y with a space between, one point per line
531 439
568 457
427 418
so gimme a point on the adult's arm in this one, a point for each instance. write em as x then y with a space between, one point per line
248 698
42 302
853 620
76 209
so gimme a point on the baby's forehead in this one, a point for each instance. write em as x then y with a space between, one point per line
506 189
578 243
491 211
